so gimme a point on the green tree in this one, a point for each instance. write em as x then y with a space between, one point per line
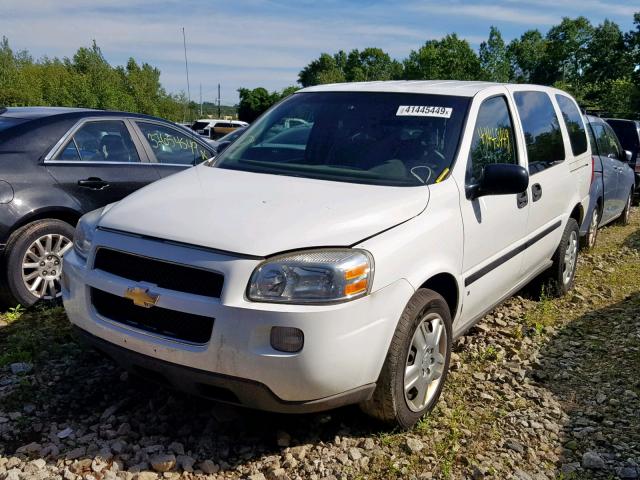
525 54
326 69
566 53
495 58
371 64
607 55
451 58
255 102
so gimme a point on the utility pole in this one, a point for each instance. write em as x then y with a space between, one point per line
200 100
186 66
219 114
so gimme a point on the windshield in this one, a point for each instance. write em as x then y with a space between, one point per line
400 139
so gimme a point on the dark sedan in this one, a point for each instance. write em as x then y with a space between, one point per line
59 163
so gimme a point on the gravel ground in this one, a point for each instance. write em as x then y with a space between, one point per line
540 389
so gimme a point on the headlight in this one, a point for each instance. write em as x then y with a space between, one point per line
83 236
314 276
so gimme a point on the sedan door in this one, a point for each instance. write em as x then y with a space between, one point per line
99 163
171 150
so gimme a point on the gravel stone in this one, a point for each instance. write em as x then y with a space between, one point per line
592 460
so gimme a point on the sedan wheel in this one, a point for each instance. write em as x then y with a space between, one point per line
42 265
33 262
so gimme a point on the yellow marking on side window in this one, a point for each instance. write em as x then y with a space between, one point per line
442 175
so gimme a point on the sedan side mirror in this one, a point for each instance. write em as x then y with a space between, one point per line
499 179
628 155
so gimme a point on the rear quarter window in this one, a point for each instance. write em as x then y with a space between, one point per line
545 147
573 122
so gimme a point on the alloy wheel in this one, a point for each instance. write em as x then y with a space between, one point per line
570 258
593 228
42 265
425 362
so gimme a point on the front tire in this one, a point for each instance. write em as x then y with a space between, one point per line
416 366
562 273
33 262
625 216
591 237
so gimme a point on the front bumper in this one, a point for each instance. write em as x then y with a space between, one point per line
344 349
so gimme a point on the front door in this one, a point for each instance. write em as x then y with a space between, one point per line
494 225
100 164
607 150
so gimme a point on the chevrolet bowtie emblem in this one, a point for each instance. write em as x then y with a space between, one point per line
141 297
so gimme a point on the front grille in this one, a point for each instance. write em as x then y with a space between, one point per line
168 275
161 321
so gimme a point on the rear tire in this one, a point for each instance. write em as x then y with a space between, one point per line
33 262
417 362
625 216
561 274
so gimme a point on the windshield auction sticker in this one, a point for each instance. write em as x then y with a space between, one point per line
423 111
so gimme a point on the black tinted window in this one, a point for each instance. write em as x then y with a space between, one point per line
172 146
101 141
606 140
541 130
493 140
573 122
627 133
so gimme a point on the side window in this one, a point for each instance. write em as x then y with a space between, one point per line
606 144
573 122
100 141
615 143
172 146
493 138
542 134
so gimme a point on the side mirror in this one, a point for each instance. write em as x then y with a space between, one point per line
628 155
222 146
499 179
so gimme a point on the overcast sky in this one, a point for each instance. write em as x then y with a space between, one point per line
266 42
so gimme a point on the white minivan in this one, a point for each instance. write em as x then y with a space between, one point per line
334 262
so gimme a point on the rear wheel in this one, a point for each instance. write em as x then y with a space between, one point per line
417 362
561 275
33 261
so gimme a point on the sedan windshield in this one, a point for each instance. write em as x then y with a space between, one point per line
399 139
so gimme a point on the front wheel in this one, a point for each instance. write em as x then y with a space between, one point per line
562 272
624 217
592 233
33 261
417 362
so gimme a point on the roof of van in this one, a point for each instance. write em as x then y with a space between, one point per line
437 87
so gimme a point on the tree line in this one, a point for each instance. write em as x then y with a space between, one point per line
599 65
88 80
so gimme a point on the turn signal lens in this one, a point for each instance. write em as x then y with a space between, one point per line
356 287
356 272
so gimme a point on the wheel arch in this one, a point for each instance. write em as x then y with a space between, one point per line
577 213
446 285
64 214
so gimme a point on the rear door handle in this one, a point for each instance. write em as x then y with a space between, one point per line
93 183
522 199
536 192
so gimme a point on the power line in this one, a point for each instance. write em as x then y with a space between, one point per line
186 66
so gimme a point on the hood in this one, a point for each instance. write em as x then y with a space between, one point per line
261 214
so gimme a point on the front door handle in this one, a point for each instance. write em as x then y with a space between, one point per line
93 183
536 192
522 199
